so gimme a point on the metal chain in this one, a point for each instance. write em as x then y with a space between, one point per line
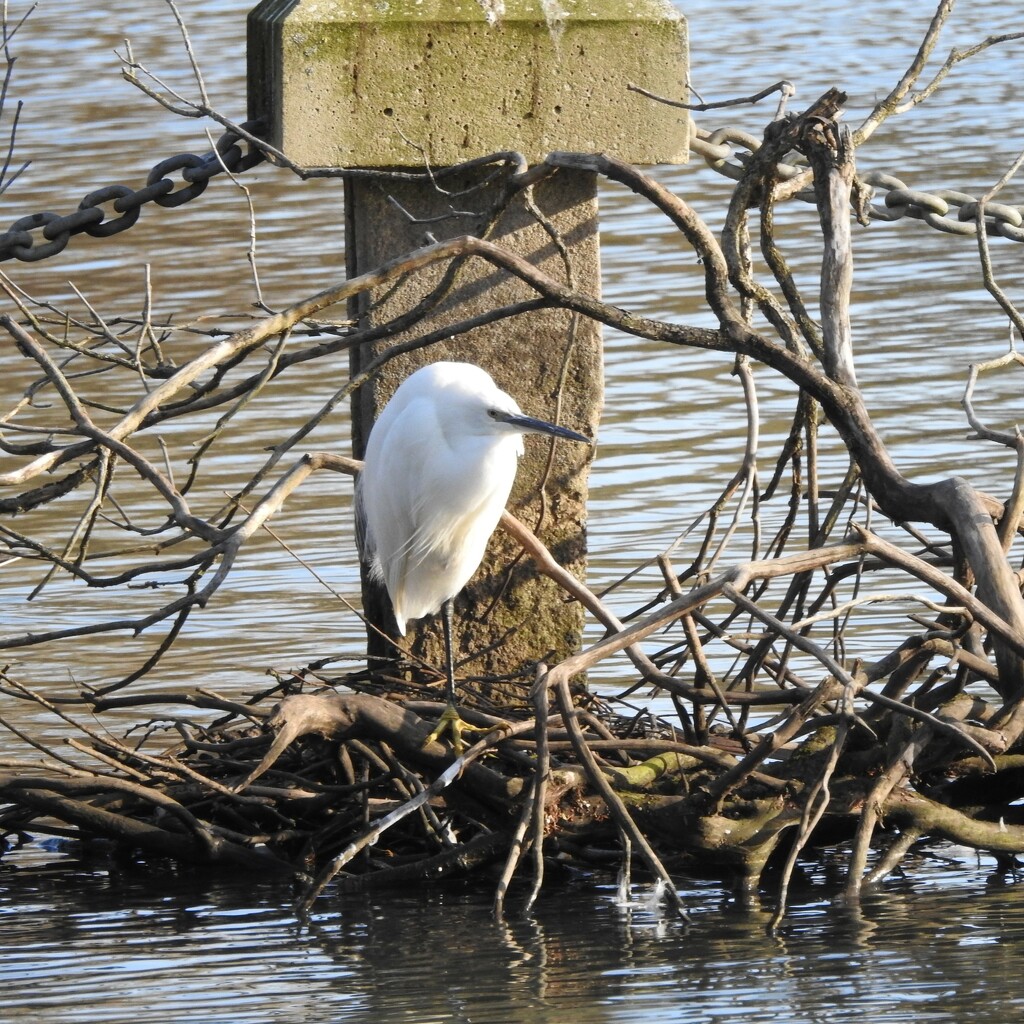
726 150
21 242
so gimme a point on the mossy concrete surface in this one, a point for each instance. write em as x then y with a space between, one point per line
353 83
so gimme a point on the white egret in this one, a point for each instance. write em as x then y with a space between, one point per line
440 462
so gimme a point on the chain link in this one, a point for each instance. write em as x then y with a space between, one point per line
115 208
725 150
728 150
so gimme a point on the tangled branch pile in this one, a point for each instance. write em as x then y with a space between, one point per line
330 783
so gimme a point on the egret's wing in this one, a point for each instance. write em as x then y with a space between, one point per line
394 488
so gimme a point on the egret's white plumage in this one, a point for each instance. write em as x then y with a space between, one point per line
440 463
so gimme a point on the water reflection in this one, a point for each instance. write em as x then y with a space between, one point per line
214 949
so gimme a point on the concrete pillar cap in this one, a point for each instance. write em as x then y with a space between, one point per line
396 83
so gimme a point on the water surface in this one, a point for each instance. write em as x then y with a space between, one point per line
84 943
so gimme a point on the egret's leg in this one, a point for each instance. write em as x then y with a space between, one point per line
449 660
451 721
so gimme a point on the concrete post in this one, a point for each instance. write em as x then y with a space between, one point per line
396 85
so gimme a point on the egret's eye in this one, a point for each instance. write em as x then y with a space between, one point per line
493 413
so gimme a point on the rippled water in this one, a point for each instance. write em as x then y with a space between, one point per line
85 944
92 942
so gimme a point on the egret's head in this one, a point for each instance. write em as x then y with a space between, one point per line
475 406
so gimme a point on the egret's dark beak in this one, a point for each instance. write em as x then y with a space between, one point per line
528 425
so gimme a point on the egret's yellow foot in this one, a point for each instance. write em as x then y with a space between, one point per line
453 723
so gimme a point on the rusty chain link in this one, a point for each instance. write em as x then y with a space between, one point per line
115 208
725 150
